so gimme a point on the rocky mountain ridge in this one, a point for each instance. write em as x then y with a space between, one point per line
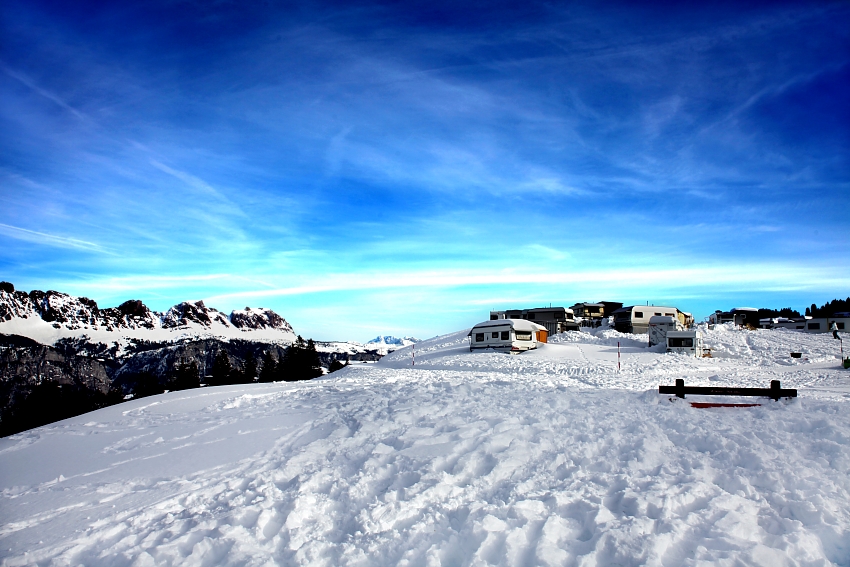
64 355
63 311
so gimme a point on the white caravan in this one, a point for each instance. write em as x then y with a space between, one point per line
513 335
659 326
687 342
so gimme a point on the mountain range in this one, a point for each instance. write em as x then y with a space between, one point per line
53 337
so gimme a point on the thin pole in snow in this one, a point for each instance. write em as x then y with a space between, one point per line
413 354
618 356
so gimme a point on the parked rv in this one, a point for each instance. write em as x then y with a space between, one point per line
660 326
687 342
512 335
635 318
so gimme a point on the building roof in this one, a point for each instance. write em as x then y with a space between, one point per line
515 324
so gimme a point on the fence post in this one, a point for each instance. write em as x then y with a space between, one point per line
680 388
774 390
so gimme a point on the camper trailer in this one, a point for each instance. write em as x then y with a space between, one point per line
687 342
635 318
660 326
513 335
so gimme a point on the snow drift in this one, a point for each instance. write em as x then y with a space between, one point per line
547 458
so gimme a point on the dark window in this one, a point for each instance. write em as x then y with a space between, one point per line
494 317
668 314
506 335
639 314
680 342
496 334
814 326
523 336
840 326
658 314
479 337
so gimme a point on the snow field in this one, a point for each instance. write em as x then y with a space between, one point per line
465 459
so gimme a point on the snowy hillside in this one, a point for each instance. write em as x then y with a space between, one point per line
551 457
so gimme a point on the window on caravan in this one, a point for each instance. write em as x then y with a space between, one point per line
479 337
680 342
506 335
496 335
523 336
814 326
668 315
638 314
658 314
840 326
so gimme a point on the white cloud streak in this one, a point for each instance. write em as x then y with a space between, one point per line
52 239
752 276
26 81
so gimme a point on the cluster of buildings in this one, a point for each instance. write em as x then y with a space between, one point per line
523 329
749 317
630 319
517 330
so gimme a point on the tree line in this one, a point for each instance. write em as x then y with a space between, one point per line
300 361
829 309
50 401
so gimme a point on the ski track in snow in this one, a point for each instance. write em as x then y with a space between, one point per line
551 457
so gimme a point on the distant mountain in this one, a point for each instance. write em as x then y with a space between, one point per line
61 355
395 341
48 316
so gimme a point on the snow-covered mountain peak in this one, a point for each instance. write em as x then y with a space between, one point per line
49 316
394 341
258 318
188 312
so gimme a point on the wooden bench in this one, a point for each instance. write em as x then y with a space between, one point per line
774 392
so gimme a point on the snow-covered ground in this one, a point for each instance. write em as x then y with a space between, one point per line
552 457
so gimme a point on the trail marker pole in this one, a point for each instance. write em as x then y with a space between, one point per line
618 356
413 354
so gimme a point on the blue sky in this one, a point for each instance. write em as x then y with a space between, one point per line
403 168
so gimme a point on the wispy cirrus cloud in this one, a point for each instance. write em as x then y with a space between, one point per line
29 83
53 240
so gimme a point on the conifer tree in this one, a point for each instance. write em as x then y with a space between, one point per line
268 372
312 362
185 376
221 369
249 372
147 385
300 361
